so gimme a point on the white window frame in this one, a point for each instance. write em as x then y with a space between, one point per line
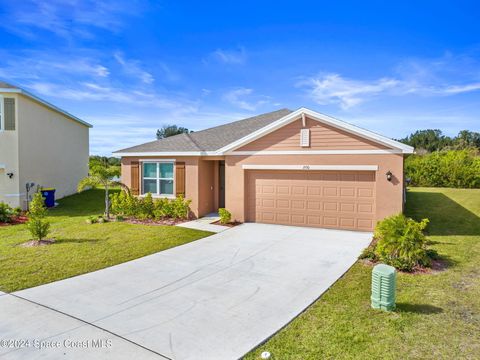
158 178
2 117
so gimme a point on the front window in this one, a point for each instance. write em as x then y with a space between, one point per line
158 178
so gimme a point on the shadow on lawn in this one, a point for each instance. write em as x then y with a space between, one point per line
418 308
87 203
447 217
76 241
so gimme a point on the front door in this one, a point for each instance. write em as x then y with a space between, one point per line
221 175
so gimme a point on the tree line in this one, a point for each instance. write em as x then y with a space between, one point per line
431 140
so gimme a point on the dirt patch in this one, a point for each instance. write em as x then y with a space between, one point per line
16 221
437 267
34 243
169 222
230 224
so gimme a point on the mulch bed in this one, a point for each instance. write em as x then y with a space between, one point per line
170 222
437 266
34 243
230 224
16 221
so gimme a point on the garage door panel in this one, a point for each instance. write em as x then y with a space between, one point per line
332 199
283 218
365 192
365 208
283 203
365 224
330 206
298 219
330 191
347 192
347 222
314 205
298 204
314 190
347 207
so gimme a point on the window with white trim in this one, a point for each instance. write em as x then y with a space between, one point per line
158 178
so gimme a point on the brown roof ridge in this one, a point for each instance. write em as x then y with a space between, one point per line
193 141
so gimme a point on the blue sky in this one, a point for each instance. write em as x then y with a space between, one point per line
128 67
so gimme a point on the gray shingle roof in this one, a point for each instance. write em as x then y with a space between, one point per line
5 85
210 139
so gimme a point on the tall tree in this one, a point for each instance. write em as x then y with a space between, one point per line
103 174
171 130
467 139
430 140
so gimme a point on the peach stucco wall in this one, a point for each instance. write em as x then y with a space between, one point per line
200 183
322 137
389 194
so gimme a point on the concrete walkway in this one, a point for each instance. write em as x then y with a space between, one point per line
215 298
205 223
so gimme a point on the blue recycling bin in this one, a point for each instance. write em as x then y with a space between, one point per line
49 195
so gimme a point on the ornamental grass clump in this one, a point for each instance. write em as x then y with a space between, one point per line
400 242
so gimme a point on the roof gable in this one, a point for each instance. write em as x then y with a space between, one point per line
320 137
328 120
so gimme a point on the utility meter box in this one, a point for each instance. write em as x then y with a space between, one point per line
384 278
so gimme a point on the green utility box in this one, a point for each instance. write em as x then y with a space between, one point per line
383 287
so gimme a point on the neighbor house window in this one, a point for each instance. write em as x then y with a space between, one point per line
158 178
2 126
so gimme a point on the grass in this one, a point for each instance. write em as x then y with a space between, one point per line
437 316
80 248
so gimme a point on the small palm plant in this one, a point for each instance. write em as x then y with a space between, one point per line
102 174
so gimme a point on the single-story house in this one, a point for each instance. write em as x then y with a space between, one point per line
285 167
40 144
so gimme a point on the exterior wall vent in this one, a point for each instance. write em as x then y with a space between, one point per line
305 137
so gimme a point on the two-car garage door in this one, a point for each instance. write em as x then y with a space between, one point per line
329 199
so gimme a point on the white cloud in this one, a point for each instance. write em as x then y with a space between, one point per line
37 64
88 91
66 18
333 88
133 68
235 57
241 97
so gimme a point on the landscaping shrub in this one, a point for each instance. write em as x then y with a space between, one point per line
453 168
91 220
163 209
225 216
146 207
124 204
400 242
181 207
6 213
37 225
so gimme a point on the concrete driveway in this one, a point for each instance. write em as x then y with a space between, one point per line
215 298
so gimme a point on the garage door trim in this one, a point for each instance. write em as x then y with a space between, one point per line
312 167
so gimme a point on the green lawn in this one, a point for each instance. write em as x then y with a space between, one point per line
79 247
437 317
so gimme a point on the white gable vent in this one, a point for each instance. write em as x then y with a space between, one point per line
305 137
